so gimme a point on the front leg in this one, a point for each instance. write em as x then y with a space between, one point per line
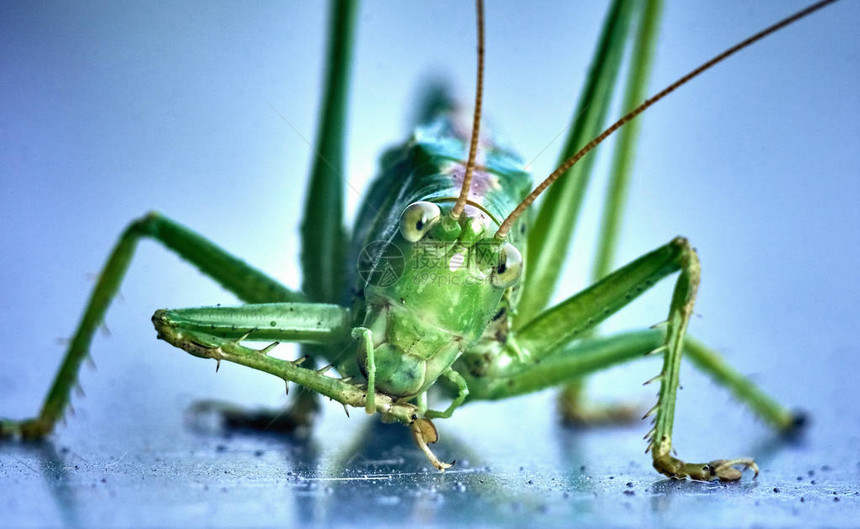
214 332
365 337
232 273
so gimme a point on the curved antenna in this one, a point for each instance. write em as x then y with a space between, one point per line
509 221
476 118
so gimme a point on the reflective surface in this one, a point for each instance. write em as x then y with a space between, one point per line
515 466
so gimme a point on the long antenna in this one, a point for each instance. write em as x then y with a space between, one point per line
508 222
476 118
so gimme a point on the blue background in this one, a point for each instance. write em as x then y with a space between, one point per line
108 110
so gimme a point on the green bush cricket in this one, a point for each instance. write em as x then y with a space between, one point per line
258 335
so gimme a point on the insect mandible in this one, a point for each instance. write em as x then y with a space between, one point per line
257 333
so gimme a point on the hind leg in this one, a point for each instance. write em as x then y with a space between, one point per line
553 353
232 273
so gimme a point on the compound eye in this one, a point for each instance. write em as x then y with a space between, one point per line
509 268
417 219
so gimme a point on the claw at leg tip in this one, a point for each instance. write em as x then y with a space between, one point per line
424 433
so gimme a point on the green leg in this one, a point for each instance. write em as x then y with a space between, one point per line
572 399
576 316
554 329
192 338
619 177
233 274
308 323
462 393
316 324
597 354
660 438
551 234
583 358
365 336
324 240
610 295
323 236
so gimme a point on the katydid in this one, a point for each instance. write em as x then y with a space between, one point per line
458 313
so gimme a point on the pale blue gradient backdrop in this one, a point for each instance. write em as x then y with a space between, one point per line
108 110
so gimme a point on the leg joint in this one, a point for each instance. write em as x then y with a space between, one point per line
147 224
684 248
688 259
